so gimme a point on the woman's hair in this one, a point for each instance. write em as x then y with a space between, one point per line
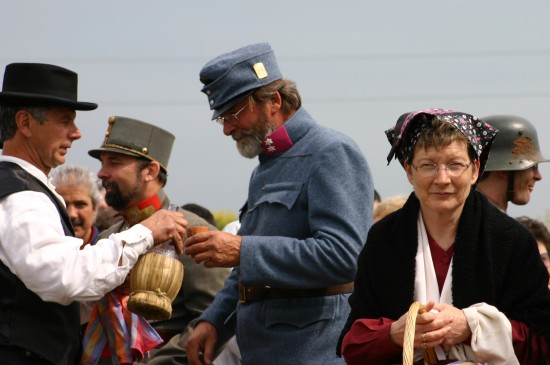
439 135
287 89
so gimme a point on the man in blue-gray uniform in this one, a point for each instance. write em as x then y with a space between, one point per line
306 218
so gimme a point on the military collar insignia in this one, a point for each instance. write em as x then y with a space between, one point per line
144 209
277 142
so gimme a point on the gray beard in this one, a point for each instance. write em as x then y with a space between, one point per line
249 144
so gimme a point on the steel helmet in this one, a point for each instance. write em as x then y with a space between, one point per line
516 146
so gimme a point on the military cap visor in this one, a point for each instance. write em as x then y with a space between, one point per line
233 76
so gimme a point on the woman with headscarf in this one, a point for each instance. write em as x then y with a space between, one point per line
477 270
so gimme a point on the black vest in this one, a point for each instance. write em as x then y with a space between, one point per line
48 329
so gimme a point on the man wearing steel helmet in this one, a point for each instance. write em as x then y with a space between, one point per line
512 169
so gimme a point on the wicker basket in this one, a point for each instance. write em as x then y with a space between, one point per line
430 357
155 281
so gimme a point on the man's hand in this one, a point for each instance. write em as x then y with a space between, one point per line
214 248
201 343
167 225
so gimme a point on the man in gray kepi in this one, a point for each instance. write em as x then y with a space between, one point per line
306 218
134 170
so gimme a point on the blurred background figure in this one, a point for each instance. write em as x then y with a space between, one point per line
232 227
542 236
79 187
512 169
388 205
377 199
201 211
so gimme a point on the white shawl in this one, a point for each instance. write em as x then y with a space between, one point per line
491 330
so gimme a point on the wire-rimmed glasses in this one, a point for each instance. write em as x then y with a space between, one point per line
454 169
222 119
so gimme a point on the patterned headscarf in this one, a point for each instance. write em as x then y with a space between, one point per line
410 126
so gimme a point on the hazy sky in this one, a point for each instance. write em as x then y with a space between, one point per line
358 65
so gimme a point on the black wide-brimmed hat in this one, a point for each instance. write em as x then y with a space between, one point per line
41 84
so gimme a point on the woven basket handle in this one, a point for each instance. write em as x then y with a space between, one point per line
430 357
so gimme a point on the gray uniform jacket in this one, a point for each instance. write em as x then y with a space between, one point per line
306 219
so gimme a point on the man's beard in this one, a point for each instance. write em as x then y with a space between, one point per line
115 199
249 141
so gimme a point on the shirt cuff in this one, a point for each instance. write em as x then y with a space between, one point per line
136 241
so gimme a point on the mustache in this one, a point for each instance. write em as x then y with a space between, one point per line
76 222
243 133
108 184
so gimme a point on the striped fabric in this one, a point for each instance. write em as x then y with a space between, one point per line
128 335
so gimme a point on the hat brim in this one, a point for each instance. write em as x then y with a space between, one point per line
230 104
96 153
39 99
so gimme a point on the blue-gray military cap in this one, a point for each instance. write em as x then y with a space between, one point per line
135 138
232 76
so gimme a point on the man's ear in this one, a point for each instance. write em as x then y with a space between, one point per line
23 122
153 170
276 102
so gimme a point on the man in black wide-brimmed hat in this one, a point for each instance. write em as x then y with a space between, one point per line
43 272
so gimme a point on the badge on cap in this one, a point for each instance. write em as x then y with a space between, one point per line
260 70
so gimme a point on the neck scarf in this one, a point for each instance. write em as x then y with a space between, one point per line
127 335
425 281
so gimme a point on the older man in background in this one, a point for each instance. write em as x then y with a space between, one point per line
79 188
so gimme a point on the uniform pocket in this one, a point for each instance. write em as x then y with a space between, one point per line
299 313
284 193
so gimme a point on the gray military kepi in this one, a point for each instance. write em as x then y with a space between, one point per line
136 138
233 76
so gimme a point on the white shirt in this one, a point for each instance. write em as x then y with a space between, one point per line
34 247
